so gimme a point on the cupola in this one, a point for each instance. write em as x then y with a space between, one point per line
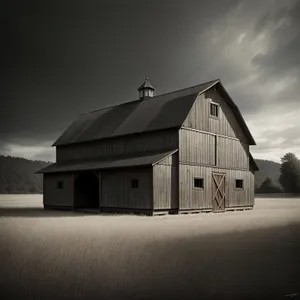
146 90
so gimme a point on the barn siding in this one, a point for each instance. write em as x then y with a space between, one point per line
165 183
202 148
168 161
194 198
199 117
165 187
252 188
197 147
126 145
190 197
116 191
58 197
232 154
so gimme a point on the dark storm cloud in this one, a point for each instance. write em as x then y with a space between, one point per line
273 36
285 55
68 57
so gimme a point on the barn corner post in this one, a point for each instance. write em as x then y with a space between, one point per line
100 178
152 191
73 190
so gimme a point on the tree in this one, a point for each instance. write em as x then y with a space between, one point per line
17 175
290 173
267 186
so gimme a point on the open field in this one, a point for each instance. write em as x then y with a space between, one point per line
66 255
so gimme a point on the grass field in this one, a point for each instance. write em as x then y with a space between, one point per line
66 255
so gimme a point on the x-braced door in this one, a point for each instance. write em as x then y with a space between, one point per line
218 192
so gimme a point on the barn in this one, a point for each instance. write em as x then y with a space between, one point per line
180 152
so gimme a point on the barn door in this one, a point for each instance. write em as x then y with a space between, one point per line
218 192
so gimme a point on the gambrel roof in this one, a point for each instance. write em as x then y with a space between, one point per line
152 114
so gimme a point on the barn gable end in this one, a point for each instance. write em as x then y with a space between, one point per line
227 123
214 155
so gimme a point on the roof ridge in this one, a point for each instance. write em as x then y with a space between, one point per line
190 87
168 93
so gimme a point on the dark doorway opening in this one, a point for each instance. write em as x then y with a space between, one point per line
86 191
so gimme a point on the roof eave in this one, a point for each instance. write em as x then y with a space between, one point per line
253 162
157 162
146 87
117 136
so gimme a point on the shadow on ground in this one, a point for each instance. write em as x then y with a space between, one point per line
260 264
39 212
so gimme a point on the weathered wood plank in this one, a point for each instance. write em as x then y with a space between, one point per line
165 187
232 154
53 196
226 123
197 147
117 188
126 145
193 198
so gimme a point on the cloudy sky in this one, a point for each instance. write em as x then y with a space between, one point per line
63 58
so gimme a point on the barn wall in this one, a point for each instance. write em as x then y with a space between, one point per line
196 147
232 154
195 198
134 144
226 124
58 197
117 192
165 183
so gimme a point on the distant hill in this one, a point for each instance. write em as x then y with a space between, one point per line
17 175
267 168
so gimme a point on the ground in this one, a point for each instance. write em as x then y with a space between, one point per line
65 255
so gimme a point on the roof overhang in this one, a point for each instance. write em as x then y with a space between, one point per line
253 163
237 113
120 162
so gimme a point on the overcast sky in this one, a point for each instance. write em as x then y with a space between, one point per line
63 58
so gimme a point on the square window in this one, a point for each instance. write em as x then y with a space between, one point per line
214 110
60 185
239 184
199 183
134 184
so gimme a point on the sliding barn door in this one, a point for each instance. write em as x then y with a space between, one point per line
218 192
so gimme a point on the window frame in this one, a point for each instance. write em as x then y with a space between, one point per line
236 184
211 103
201 187
134 183
60 184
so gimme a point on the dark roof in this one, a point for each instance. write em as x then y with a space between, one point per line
253 163
151 114
137 161
146 84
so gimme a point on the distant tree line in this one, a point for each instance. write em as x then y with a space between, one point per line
17 175
289 178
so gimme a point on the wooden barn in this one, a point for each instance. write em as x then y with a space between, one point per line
184 151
